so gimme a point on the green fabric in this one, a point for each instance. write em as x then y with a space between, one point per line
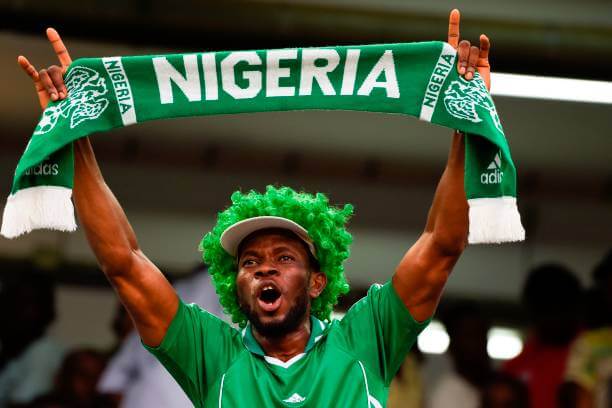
362 351
416 79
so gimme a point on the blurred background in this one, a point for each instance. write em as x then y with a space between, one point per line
172 177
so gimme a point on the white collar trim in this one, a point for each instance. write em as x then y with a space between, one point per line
284 364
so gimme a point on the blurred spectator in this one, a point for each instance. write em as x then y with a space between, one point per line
461 387
121 327
505 391
135 377
406 390
75 382
589 366
552 297
30 356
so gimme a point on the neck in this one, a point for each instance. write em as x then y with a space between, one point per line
288 345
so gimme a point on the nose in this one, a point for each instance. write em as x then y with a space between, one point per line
266 270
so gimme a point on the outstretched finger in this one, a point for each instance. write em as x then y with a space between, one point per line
59 48
453 28
28 68
43 96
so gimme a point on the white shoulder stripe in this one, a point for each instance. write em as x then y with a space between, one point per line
365 380
372 402
221 390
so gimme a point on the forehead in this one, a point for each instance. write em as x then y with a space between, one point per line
271 238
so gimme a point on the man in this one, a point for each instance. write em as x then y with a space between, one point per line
75 382
462 386
281 275
552 297
588 374
30 354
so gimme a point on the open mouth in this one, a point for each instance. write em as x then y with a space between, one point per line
269 298
269 294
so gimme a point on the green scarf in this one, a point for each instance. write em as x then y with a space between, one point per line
418 79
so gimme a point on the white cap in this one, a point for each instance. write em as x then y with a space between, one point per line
234 234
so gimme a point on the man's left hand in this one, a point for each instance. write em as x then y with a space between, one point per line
470 58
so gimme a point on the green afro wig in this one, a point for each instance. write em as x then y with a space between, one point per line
326 226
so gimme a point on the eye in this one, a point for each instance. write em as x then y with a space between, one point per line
286 258
248 262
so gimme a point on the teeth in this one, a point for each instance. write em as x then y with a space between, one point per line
268 287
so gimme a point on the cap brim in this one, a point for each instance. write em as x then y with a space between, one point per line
234 234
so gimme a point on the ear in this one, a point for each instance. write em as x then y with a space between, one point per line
318 281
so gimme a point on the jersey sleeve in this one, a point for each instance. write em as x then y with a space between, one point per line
196 350
379 331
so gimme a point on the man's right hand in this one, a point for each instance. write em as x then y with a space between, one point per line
142 288
49 83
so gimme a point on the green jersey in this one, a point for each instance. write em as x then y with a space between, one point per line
346 363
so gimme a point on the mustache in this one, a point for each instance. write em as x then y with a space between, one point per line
289 323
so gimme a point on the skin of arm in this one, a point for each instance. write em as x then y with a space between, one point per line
147 295
422 273
424 269
142 288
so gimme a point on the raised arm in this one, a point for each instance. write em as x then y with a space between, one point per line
142 288
422 273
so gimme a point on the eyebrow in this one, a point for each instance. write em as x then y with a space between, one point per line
283 248
248 253
276 250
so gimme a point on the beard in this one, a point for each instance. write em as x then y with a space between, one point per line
291 321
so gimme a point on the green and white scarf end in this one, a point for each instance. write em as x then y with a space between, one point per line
494 221
41 207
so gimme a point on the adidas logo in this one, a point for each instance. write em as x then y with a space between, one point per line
295 398
496 163
494 175
43 170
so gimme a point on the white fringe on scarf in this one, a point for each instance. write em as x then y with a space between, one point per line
33 208
494 220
